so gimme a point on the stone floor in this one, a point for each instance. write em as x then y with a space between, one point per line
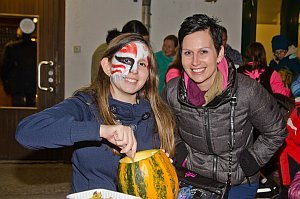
34 180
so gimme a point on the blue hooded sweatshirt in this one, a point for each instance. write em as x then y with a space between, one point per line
75 122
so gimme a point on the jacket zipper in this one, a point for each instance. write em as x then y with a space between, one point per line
208 140
206 126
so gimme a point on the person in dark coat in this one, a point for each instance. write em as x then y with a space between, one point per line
285 59
18 71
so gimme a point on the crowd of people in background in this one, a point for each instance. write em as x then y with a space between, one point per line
231 53
165 57
255 66
285 59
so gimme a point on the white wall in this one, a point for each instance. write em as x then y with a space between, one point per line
167 15
87 22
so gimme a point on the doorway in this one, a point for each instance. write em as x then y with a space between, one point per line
50 73
268 21
262 19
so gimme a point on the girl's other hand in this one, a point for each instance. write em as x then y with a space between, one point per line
121 136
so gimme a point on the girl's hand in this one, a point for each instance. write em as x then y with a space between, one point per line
121 136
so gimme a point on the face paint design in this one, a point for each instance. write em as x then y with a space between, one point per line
127 59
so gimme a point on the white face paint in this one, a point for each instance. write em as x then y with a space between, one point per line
129 58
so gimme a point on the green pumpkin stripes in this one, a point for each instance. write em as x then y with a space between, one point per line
150 176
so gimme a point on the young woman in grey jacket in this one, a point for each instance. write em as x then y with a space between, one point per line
201 100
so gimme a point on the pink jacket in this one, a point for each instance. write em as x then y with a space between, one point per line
278 86
276 82
172 73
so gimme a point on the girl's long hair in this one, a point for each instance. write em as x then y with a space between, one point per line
164 120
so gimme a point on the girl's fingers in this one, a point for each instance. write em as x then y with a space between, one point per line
129 143
131 153
134 147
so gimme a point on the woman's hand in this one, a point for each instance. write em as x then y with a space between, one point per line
121 136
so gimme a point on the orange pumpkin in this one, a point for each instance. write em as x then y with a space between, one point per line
150 175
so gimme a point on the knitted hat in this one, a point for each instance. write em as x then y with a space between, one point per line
279 42
295 87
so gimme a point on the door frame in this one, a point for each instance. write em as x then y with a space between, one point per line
289 17
51 47
289 20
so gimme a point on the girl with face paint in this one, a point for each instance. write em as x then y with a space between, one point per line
118 114
129 70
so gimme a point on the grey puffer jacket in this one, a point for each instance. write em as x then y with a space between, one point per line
205 129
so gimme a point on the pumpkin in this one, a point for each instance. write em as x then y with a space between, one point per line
149 175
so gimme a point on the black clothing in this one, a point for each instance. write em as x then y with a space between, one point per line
18 71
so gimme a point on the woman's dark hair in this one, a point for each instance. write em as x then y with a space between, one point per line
224 30
201 22
255 56
135 26
197 22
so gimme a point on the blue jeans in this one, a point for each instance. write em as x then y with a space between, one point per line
244 191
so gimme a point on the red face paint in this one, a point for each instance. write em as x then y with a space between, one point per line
129 58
